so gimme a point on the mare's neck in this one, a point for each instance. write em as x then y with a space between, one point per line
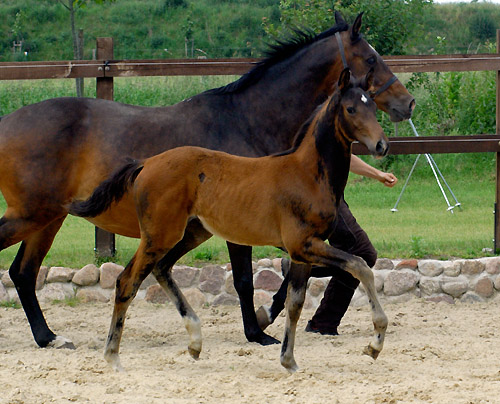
270 112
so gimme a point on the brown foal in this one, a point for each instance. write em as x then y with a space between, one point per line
288 200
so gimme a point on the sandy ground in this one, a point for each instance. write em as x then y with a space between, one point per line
434 353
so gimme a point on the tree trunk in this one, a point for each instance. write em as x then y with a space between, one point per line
76 48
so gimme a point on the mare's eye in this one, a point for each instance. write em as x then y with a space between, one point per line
351 110
371 60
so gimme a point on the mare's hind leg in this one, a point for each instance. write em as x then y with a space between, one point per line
298 277
24 271
192 323
241 262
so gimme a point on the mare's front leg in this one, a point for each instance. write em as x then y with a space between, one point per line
241 262
127 285
298 276
320 253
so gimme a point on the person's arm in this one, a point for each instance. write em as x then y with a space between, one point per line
359 167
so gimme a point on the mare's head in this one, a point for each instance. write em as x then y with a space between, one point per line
387 92
355 113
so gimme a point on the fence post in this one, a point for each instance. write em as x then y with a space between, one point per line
496 240
104 241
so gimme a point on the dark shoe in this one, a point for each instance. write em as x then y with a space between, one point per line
310 328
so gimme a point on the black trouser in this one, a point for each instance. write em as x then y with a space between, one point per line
350 237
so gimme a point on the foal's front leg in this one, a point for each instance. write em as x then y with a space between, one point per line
320 253
298 277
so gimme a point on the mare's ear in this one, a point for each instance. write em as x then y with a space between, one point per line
338 18
356 26
344 80
367 82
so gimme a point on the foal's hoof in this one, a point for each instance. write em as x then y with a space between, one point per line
263 317
195 353
290 365
61 343
370 351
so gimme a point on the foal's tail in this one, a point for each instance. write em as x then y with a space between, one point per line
109 191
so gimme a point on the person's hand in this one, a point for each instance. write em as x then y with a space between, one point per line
388 179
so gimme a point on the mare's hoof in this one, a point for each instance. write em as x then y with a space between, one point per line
263 317
195 354
263 339
370 351
61 343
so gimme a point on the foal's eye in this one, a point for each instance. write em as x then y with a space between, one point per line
351 110
371 60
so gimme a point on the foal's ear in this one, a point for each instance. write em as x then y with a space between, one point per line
344 80
338 18
367 82
356 26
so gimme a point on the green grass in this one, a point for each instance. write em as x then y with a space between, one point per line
421 228
10 304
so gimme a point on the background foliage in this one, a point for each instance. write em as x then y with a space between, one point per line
230 28
447 103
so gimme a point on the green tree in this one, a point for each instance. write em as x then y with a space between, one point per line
482 26
387 23
72 6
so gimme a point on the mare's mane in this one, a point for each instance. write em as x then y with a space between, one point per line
282 50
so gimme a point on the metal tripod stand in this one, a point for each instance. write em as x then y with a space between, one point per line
437 175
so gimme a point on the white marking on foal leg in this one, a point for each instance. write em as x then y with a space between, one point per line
294 302
61 343
193 327
363 272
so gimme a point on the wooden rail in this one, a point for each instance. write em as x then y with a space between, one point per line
106 68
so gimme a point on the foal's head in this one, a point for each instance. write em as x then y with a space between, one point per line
356 114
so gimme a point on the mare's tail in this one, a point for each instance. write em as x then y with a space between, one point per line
109 191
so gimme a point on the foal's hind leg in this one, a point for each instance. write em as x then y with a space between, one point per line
127 285
24 271
298 277
192 323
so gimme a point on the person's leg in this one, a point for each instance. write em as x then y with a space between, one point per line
349 237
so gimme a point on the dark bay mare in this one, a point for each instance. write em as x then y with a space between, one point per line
59 150
288 200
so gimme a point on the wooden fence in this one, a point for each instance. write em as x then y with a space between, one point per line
105 68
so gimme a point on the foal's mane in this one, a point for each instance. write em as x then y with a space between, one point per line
301 133
278 52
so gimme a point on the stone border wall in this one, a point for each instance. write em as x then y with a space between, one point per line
396 280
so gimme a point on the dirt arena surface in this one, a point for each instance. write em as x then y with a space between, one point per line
434 353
